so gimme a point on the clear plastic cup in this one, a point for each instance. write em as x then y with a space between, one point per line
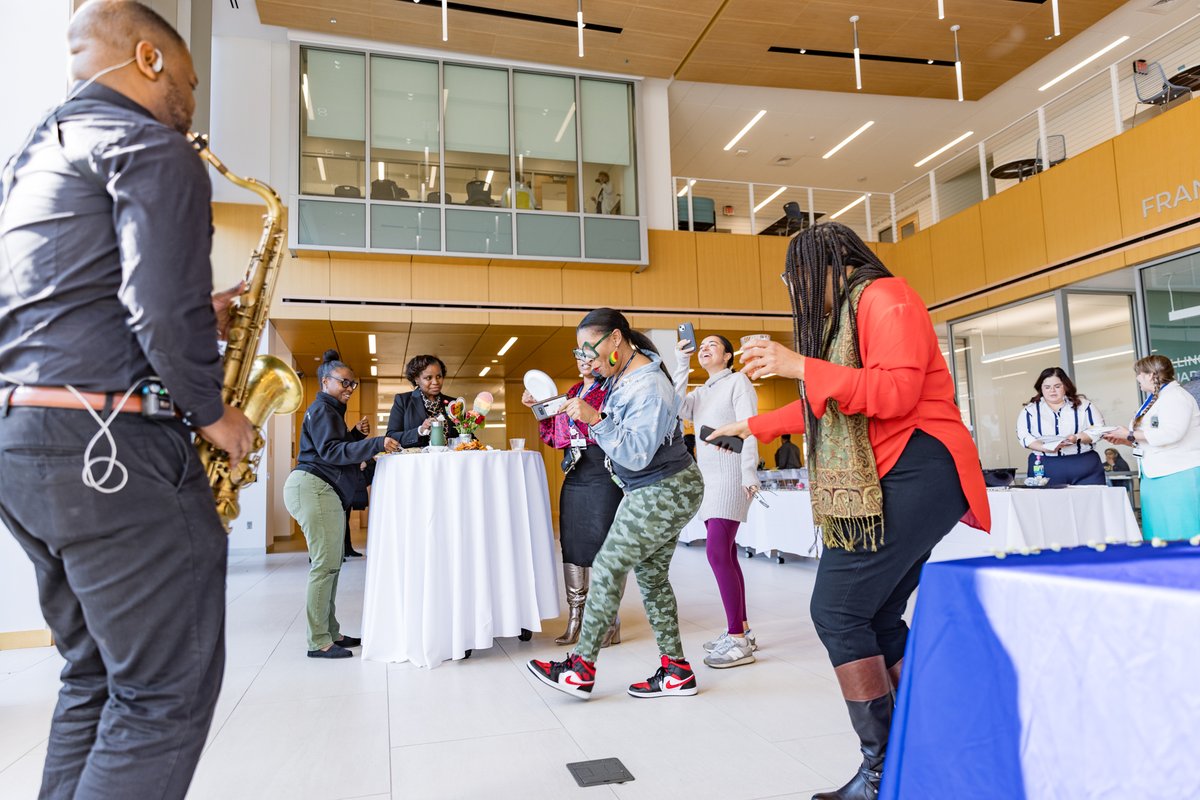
516 444
753 336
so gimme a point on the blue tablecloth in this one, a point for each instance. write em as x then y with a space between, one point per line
1064 675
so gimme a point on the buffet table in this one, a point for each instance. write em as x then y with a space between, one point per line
1022 519
1059 675
461 551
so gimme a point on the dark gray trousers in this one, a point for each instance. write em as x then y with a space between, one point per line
132 585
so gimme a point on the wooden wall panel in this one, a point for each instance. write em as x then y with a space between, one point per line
912 259
1158 170
1167 245
956 249
1080 209
389 278
450 279
588 285
524 285
727 272
1088 269
670 280
1014 235
772 258
1018 291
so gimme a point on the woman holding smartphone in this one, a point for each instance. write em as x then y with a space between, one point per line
730 481
638 429
588 501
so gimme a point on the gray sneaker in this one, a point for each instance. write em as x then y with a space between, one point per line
733 652
715 643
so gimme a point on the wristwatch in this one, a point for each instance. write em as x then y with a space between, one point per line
1131 439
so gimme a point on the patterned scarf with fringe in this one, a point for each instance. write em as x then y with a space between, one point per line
847 500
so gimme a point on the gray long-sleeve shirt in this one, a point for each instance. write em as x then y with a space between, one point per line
105 276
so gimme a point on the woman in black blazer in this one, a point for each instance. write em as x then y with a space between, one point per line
413 413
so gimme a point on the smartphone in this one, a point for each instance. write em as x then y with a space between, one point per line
688 334
549 408
724 442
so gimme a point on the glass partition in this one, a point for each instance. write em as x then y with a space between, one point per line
1003 352
609 153
477 151
405 139
545 117
1171 291
332 123
1102 353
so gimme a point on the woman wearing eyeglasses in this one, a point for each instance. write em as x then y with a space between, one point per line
638 429
319 491
588 501
730 481
413 413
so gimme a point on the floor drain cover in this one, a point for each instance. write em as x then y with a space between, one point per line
600 771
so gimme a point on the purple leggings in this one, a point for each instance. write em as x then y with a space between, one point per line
722 557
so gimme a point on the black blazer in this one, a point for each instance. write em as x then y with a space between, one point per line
409 414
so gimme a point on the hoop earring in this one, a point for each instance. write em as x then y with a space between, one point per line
612 358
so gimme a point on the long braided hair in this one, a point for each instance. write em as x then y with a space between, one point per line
814 255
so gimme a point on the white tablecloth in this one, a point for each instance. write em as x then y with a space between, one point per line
461 551
1021 519
1027 519
785 527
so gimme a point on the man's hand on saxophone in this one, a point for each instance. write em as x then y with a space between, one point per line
232 433
222 301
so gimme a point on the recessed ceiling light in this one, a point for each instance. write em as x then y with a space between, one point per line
374 370
848 207
943 149
332 21
371 343
774 194
495 361
746 129
1084 63
507 345
484 371
849 138
685 188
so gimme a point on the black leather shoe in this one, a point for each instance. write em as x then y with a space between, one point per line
348 641
353 554
333 652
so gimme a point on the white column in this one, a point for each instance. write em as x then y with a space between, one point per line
33 54
655 167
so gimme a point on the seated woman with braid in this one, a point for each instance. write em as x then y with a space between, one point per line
885 440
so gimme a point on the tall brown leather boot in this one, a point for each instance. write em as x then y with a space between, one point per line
613 634
576 578
867 689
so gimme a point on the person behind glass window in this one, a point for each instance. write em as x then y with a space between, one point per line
1166 434
587 503
788 455
1059 412
1113 461
413 412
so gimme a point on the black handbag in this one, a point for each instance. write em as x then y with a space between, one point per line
571 457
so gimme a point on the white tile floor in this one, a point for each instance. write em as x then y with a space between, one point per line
292 728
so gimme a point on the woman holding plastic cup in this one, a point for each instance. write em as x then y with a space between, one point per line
588 501
892 468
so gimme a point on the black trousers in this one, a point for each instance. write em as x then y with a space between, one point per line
132 585
859 598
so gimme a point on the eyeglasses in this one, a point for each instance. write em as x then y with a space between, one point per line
345 382
759 497
588 351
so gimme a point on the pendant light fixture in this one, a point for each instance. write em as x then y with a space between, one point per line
857 60
579 22
957 62
1054 13
445 35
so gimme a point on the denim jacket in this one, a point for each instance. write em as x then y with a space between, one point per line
640 431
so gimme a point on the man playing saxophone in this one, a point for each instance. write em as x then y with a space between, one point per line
108 352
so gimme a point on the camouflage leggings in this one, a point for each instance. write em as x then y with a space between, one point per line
642 538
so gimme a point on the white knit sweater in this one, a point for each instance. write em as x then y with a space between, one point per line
725 397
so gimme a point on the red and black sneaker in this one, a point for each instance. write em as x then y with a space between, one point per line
673 679
573 676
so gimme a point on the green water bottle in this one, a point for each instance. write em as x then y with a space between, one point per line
437 434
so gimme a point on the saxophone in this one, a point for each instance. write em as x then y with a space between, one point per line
259 386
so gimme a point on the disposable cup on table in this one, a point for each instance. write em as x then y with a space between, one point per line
516 444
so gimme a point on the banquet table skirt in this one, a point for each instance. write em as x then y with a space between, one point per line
785 527
461 551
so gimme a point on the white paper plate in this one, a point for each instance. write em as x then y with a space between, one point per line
540 385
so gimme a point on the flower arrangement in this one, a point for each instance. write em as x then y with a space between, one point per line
469 421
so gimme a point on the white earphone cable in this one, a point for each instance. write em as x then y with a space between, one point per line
89 463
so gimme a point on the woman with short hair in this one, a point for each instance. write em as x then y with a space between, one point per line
413 412
318 493
1053 425
638 429
1166 434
